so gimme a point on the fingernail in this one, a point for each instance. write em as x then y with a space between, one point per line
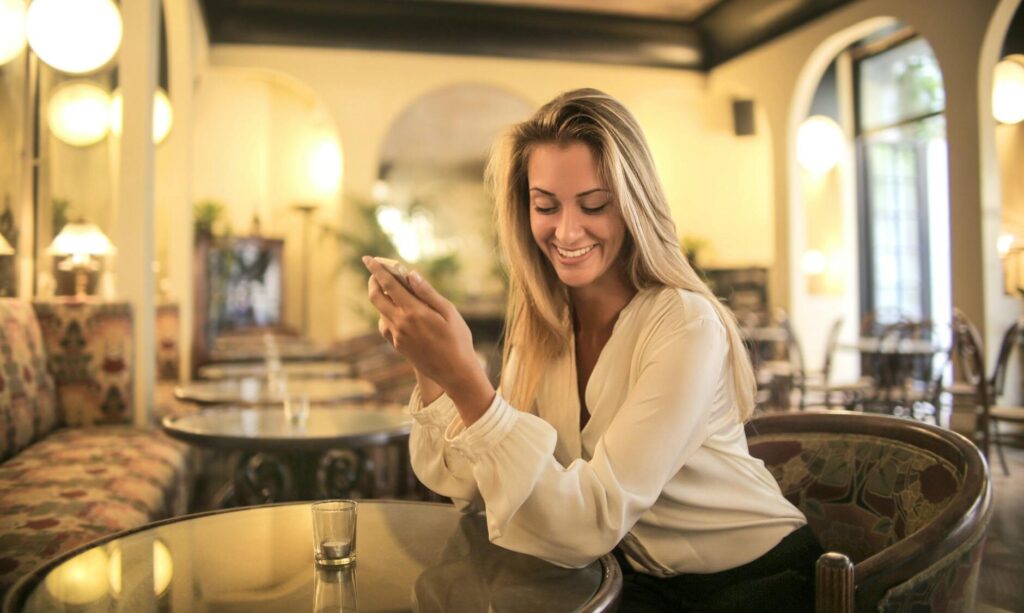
366 260
415 277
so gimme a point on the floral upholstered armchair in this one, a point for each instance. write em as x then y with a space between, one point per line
71 467
901 506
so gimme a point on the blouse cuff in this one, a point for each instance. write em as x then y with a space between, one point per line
497 421
437 414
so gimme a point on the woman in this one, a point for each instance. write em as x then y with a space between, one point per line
619 421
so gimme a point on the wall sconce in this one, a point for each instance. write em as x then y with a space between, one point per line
79 113
163 114
1008 90
81 241
1013 264
12 29
819 144
74 36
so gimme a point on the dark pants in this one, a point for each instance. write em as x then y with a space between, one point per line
780 580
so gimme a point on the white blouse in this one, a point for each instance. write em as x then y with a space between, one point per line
661 468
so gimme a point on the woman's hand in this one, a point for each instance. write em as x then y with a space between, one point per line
427 329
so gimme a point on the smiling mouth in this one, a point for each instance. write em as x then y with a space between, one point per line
575 253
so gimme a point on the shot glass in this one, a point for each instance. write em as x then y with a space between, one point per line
296 410
334 532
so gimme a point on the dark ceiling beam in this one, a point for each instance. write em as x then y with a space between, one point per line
734 27
455 28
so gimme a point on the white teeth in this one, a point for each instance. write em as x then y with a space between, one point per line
574 254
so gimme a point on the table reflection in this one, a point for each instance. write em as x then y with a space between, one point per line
412 556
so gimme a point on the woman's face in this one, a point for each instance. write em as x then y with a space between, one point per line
573 216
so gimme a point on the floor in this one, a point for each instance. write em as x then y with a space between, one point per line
1001 584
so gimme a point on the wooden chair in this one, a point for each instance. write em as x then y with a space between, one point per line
818 389
901 506
970 356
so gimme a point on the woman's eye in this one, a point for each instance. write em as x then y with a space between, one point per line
544 208
593 209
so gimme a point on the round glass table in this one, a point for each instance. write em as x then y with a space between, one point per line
291 370
277 459
257 391
411 556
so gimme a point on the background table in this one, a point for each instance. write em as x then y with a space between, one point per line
277 461
256 391
411 556
292 370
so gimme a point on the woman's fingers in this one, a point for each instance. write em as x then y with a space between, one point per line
384 327
426 292
388 283
380 300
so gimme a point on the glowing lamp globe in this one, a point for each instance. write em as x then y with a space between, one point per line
163 115
1008 90
12 29
74 36
78 113
80 580
819 144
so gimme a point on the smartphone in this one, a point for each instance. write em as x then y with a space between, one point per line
397 270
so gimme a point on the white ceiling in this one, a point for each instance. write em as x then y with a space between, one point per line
684 10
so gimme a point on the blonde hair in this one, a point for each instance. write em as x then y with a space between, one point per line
537 319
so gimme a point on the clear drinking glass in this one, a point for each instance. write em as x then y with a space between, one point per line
334 532
296 410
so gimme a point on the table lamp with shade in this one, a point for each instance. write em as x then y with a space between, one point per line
81 241
5 247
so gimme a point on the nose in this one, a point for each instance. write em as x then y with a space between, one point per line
570 226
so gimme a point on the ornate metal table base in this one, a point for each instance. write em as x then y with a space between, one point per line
262 478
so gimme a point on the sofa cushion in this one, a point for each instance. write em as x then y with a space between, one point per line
860 493
82 483
89 347
27 401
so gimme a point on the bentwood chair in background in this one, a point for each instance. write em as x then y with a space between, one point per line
818 388
901 506
970 355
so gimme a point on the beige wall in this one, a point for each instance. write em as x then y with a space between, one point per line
718 184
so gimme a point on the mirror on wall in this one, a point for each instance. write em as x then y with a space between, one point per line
13 96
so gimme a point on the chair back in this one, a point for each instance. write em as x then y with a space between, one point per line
906 501
1010 339
28 401
830 348
970 356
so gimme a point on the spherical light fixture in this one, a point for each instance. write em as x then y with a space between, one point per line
12 29
163 114
819 144
78 113
74 36
1008 90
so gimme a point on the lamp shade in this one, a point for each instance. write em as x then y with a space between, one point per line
74 36
1008 90
5 247
78 113
81 239
12 29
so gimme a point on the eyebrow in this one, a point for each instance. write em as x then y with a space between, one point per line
579 195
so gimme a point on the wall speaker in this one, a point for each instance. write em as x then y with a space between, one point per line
743 117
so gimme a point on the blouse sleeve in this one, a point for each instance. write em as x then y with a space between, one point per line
571 515
436 464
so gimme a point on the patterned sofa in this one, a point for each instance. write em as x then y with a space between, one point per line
907 503
71 468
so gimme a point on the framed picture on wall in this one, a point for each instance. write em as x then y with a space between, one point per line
239 286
